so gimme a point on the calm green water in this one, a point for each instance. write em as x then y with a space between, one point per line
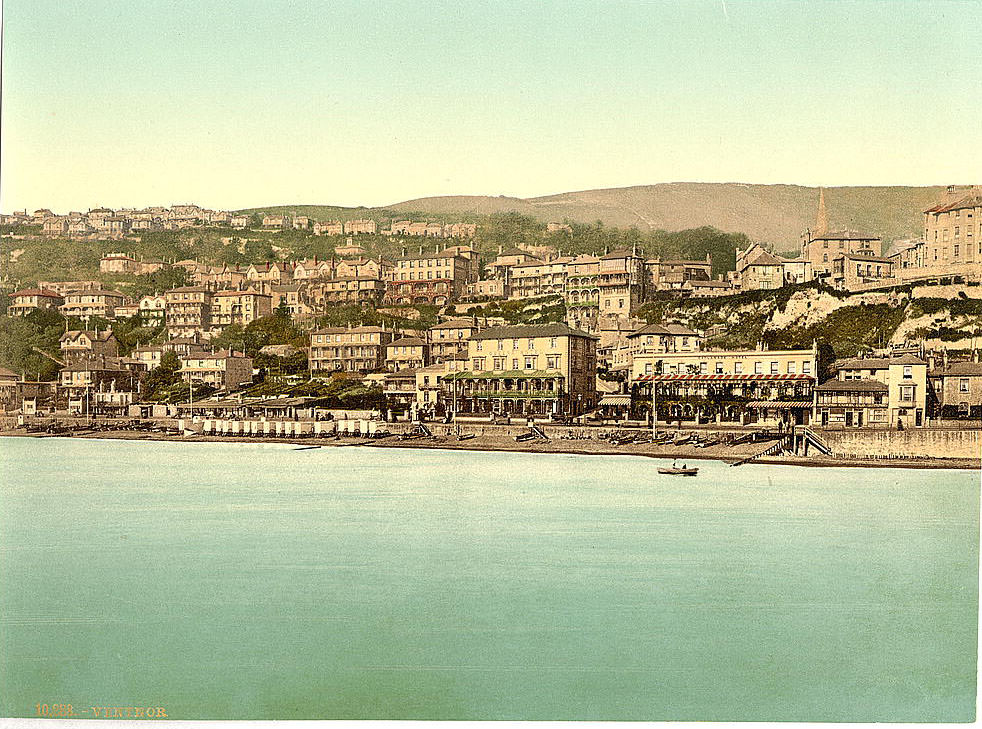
256 581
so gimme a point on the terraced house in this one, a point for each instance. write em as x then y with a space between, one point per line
187 311
239 307
358 349
92 302
435 278
27 300
223 370
535 370
872 392
739 387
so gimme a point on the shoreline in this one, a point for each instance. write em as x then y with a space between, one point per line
484 443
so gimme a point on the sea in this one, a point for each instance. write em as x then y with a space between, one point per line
260 581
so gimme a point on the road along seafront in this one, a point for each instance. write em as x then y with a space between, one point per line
889 448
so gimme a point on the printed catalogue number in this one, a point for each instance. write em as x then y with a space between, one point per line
65 711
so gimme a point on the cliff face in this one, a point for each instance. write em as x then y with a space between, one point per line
849 323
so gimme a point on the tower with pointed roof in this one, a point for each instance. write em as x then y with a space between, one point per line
822 218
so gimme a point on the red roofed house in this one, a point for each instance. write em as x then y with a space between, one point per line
27 300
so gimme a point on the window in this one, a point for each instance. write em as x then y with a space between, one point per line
647 368
499 363
703 368
792 368
478 364
774 368
552 343
501 345
963 385
758 368
530 363
552 361
719 368
907 393
514 363
514 344
908 372
479 346
806 367
738 368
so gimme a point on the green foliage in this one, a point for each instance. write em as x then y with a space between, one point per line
148 284
278 328
847 330
163 379
542 310
20 335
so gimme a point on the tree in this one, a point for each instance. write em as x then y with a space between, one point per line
163 377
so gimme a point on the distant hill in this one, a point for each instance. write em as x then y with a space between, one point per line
775 214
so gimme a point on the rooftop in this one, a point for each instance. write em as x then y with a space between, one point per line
530 330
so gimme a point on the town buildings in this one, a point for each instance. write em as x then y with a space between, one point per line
448 339
187 311
92 302
874 392
957 389
953 228
223 370
407 353
339 349
239 307
122 263
27 300
434 278
88 344
726 386
534 370
821 246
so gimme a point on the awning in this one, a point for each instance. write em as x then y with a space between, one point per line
615 400
725 378
779 404
507 375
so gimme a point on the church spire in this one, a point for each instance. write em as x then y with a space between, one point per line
822 219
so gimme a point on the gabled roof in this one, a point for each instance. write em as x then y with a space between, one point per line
530 330
878 363
764 258
969 201
619 253
47 293
407 342
101 336
455 324
845 235
960 368
664 329
95 292
852 386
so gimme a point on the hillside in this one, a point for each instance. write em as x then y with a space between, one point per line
774 214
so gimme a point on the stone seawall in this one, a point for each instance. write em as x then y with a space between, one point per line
911 443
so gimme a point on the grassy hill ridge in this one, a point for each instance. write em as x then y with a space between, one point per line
775 214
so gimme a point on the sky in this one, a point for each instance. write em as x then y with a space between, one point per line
366 102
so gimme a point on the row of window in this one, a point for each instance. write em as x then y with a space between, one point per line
553 343
499 364
347 338
738 368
